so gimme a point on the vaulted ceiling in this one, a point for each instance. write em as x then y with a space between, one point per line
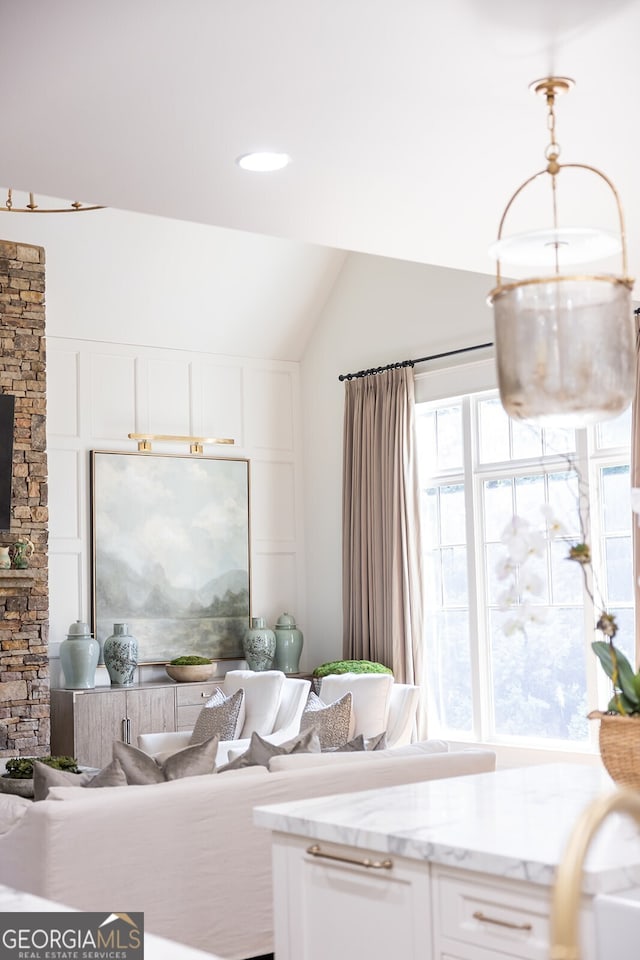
409 121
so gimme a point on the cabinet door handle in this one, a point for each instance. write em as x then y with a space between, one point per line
128 731
124 729
316 851
479 915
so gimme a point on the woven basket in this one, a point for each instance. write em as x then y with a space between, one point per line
620 746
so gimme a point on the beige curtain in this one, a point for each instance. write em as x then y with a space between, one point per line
382 557
635 482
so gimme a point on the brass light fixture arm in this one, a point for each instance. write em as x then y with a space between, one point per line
567 166
32 206
196 444
550 88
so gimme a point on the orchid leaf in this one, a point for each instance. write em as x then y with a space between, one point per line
625 680
612 706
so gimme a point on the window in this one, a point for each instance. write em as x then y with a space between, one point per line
479 468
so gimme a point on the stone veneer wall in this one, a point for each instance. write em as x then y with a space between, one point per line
24 599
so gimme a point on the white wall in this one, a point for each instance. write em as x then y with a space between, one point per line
129 295
379 311
175 327
98 393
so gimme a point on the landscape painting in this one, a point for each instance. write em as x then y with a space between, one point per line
171 552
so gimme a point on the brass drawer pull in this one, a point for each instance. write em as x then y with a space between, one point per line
479 915
315 851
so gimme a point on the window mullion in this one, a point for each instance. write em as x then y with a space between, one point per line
479 654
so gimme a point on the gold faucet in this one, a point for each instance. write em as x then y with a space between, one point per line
565 903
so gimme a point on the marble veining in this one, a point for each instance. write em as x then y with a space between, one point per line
512 823
155 948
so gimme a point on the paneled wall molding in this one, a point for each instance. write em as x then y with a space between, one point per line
99 392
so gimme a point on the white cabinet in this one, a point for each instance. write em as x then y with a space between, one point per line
474 917
329 903
479 917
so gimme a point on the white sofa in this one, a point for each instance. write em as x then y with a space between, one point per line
273 705
395 706
186 852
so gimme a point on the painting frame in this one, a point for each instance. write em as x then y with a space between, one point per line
170 552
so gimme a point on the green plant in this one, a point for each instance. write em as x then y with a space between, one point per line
626 683
189 661
350 666
21 768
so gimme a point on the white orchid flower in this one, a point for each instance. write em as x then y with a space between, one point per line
505 568
508 598
532 583
555 527
513 626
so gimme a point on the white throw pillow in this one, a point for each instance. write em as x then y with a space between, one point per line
371 693
262 692
221 717
12 810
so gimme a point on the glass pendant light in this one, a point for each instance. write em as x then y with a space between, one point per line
565 350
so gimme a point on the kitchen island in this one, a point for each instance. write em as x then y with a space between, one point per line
454 869
17 901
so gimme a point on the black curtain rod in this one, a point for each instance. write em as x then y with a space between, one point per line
410 363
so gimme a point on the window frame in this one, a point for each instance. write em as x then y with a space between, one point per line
590 460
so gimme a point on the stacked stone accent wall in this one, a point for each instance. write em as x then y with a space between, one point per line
24 599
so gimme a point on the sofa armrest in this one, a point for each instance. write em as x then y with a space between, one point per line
403 708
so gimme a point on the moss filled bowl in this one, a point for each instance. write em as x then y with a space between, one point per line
190 669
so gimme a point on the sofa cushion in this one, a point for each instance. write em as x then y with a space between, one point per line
360 743
332 721
221 717
260 751
192 761
12 810
110 795
419 747
371 695
45 776
328 757
112 775
262 693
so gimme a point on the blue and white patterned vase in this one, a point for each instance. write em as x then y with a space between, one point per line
120 652
259 645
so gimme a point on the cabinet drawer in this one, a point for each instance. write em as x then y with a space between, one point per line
494 917
194 694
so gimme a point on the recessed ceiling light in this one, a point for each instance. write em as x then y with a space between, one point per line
263 161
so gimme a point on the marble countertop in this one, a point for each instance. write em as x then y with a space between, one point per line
155 948
513 823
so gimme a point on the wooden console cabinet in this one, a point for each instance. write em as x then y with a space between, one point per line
84 723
